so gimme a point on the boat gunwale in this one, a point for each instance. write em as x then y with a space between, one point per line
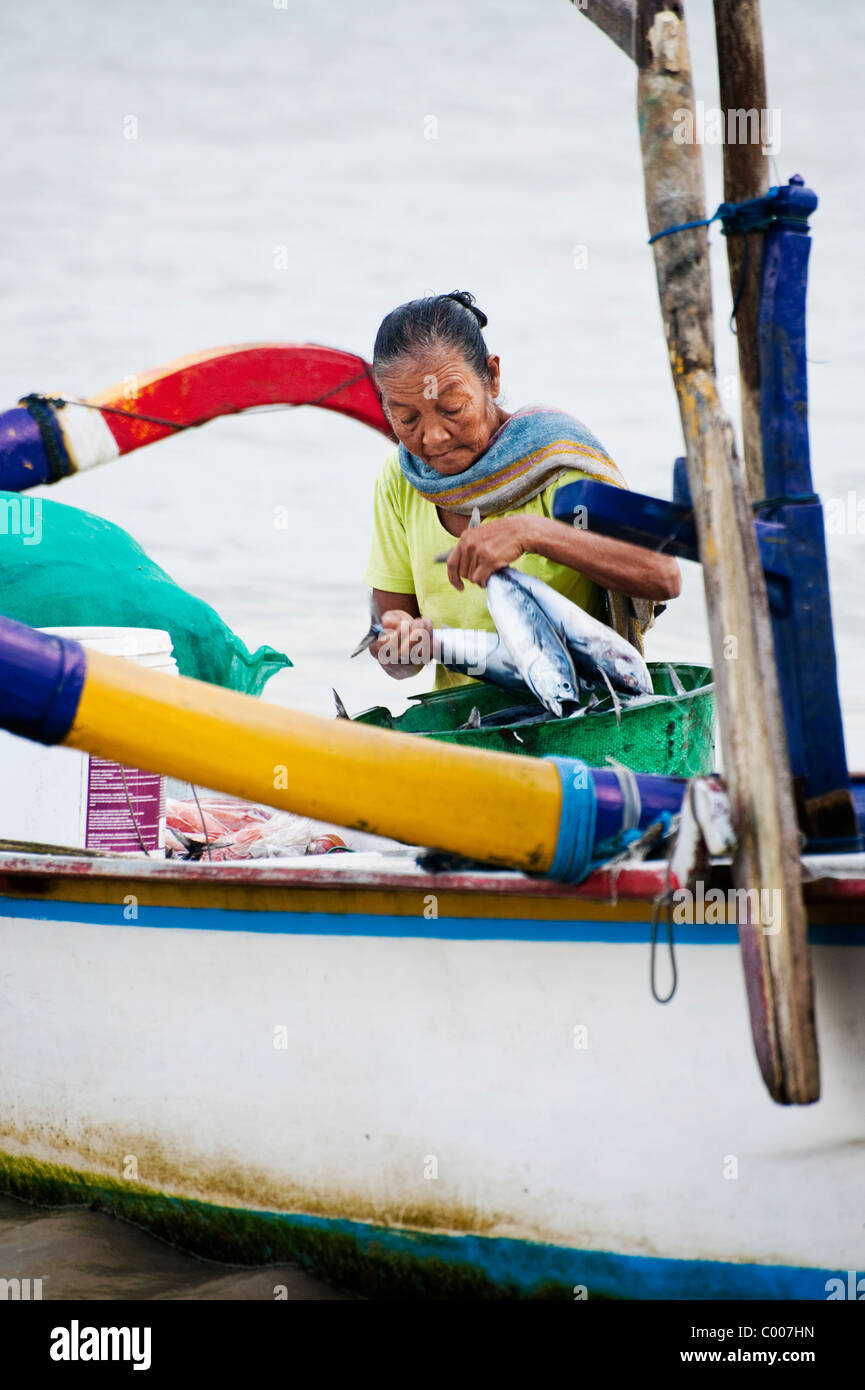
823 875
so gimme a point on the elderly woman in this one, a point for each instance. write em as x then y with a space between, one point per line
458 449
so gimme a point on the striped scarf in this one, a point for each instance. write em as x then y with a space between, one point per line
532 449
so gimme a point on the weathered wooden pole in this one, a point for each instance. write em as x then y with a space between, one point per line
742 74
775 953
617 19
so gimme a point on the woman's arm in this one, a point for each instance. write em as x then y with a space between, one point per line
618 565
407 635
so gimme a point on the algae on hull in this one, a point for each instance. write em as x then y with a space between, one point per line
338 1256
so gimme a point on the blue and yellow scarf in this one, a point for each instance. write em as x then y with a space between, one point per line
533 448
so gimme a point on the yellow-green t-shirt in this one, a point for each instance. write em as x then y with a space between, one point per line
407 536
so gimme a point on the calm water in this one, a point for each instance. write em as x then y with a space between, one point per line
303 128
296 135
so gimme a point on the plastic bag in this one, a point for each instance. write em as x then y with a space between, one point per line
218 830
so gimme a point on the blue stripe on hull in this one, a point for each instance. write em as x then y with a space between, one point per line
528 1266
364 924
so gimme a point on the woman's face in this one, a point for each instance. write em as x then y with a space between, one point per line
440 409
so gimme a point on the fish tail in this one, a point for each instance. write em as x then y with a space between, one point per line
376 628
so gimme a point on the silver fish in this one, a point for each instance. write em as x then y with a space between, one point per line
482 655
474 719
678 688
514 715
640 701
473 652
537 649
341 711
596 648
529 644
587 707
617 704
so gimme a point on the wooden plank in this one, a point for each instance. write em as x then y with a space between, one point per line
743 88
775 956
616 18
742 74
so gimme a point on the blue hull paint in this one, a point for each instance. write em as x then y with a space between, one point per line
604 1274
528 1267
362 924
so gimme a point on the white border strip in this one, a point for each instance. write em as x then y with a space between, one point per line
88 438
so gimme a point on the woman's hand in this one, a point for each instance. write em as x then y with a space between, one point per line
406 644
481 550
618 565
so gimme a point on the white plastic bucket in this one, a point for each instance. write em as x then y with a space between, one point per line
58 796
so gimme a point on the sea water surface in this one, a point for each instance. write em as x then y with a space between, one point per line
178 177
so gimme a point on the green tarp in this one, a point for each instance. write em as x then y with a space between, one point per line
61 567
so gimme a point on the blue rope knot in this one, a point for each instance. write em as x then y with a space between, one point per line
753 215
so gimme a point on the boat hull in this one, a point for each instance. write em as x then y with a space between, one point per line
461 1082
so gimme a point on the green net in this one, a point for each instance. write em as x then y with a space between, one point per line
61 567
674 735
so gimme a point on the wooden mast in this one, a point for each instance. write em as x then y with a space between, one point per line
775 954
617 19
742 74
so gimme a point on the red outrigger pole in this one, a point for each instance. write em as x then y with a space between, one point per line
46 438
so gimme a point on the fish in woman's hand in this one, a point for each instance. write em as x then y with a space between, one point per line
542 642
540 656
536 648
465 651
473 652
598 653
597 650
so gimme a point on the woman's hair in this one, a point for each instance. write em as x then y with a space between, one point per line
450 319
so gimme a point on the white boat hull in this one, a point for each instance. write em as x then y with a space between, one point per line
397 1073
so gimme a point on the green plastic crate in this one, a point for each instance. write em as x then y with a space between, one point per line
676 737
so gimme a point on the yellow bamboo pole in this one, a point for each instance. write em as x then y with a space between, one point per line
491 806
